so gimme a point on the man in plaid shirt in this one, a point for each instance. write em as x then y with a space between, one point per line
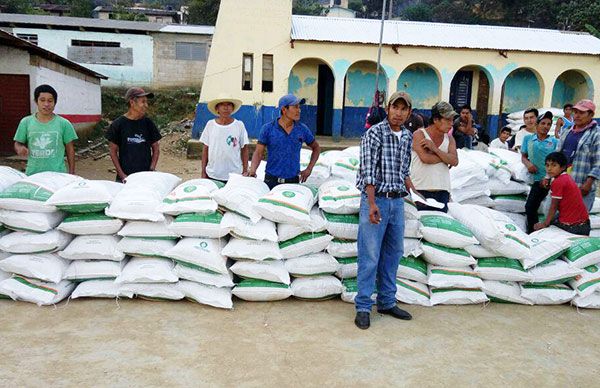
581 145
385 154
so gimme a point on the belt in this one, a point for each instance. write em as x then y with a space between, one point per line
391 194
282 180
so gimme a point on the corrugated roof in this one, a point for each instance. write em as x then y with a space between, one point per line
33 21
406 33
13 41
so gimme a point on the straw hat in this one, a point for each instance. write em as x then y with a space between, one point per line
212 105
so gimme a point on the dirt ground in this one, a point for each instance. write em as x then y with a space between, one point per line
289 343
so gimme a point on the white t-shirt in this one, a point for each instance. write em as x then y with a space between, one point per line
497 143
520 136
224 143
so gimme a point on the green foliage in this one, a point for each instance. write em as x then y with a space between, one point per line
203 11
418 12
81 8
307 7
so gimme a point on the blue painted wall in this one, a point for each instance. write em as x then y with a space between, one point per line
521 91
353 122
571 87
423 85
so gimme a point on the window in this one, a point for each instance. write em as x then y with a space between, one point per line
267 68
93 43
247 66
190 51
31 38
100 53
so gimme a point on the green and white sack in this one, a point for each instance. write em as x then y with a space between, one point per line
411 292
147 270
203 254
199 225
339 197
453 277
317 287
412 229
547 294
9 176
99 289
29 242
440 228
269 270
410 209
510 203
44 266
200 275
30 222
290 203
504 292
444 256
317 224
412 268
85 196
342 225
145 247
583 252
350 290
346 167
146 229
36 291
588 282
240 194
348 267
208 295
242 227
343 248
555 272
543 251
457 296
193 196
502 269
91 223
304 244
93 247
497 187
30 194
591 301
153 291
479 252
594 221
83 270
238 248
261 291
315 264
412 247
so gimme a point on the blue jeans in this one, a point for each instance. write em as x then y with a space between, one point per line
588 200
380 247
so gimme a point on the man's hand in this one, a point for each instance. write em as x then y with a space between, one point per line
123 178
586 188
539 225
532 168
374 215
251 173
545 183
245 173
304 174
428 144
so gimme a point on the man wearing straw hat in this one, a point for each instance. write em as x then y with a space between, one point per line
225 141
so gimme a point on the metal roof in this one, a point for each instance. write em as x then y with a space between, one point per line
12 41
43 21
422 34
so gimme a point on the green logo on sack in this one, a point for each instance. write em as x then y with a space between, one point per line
510 227
189 189
354 161
288 194
203 246
343 188
592 269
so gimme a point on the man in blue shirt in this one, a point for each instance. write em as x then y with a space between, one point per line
385 154
283 139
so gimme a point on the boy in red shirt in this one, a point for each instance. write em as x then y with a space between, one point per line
573 216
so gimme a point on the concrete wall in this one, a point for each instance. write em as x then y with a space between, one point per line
140 73
570 87
170 72
422 83
14 61
303 82
522 90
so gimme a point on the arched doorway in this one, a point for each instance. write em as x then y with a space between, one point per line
472 86
422 82
570 87
523 88
359 89
313 80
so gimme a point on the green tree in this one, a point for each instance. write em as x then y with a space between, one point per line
576 14
357 6
81 8
203 12
16 6
307 7
418 12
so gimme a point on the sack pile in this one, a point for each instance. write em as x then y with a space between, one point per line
514 120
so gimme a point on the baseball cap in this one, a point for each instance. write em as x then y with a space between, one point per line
444 109
290 100
400 96
137 92
585 105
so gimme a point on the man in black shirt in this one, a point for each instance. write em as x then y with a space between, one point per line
414 122
464 130
133 138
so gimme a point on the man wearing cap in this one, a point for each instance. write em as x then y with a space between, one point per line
225 142
133 138
383 178
283 139
581 145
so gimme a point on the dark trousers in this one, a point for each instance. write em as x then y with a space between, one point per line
273 181
580 229
440 196
534 200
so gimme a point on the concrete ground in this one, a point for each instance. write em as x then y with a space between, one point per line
294 343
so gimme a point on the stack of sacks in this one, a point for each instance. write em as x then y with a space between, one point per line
321 171
511 200
39 273
302 241
595 218
515 119
468 179
344 164
449 273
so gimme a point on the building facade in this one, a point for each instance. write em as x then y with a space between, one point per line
332 63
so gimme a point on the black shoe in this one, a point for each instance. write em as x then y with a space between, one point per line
396 312
362 320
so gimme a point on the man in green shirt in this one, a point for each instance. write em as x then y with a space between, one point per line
44 137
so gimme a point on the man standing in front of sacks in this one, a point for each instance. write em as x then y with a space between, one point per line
385 154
